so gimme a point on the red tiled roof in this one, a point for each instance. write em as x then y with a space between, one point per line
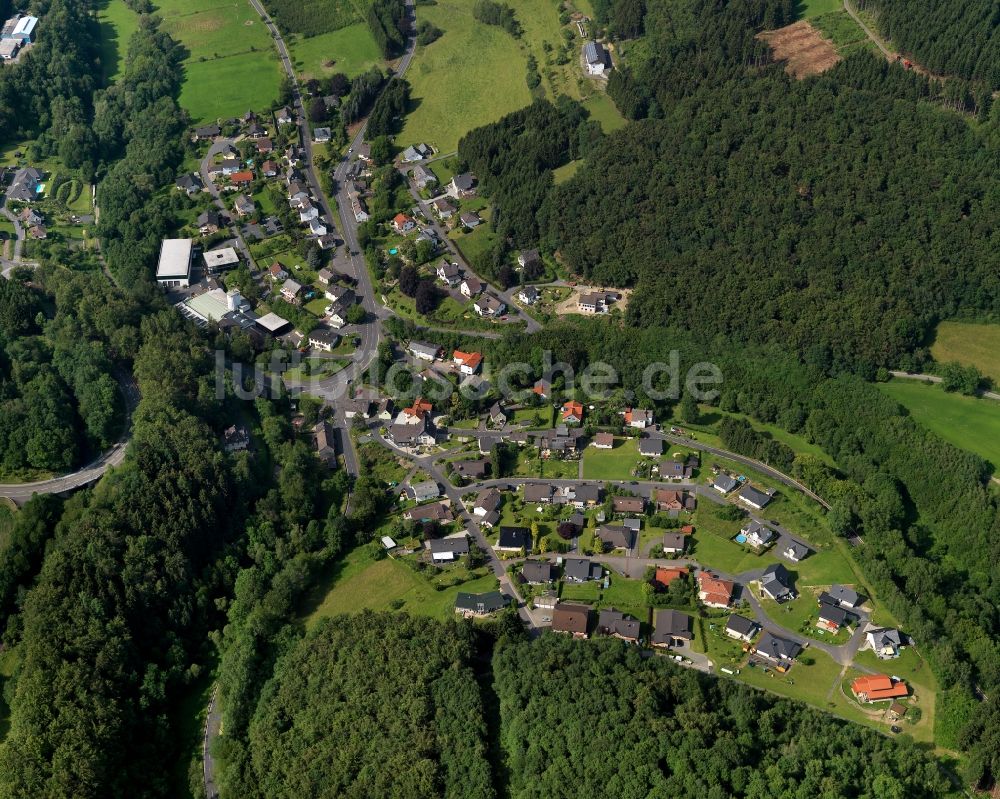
665 576
879 686
470 359
241 177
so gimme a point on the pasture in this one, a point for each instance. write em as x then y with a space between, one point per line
350 50
231 63
970 344
117 23
967 422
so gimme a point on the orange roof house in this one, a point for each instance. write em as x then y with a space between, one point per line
713 591
876 687
419 408
246 176
665 576
402 223
469 361
572 411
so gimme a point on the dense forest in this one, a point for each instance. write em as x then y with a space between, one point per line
58 400
948 38
372 705
389 24
629 726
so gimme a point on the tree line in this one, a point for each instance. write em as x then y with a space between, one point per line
390 25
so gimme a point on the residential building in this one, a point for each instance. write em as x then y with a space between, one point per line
616 536
756 535
444 208
776 582
321 135
416 152
462 186
651 447
24 186
741 628
793 550
843 596
317 227
469 219
243 206
325 441
402 223
470 605
489 306
537 572
277 271
322 338
514 539
571 619
359 406
421 492
487 502
190 183
638 418
497 415
528 258
780 652
665 575
445 550
221 259
433 512
472 469
449 273
754 498
580 570
537 492
291 289
674 543
671 628
618 625
425 351
572 412
668 499
471 287
468 362
628 505
724 483
423 177
209 222
886 643
604 441
528 295
831 617
596 58
715 592
877 688
235 439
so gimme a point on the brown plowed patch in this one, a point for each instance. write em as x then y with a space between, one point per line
802 48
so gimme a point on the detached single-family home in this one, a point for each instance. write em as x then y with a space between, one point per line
425 351
884 642
528 295
843 596
206 132
433 512
638 418
325 440
756 535
780 652
317 227
651 447
209 222
241 179
269 169
244 206
571 619
462 186
497 416
724 483
665 575
444 208
741 628
277 271
674 543
190 183
416 152
402 223
668 499
321 135
449 273
528 258
487 502
831 617
489 306
283 116
616 624
423 177
444 550
878 687
514 539
322 338
471 287
715 592
792 550
572 412
291 289
628 505
596 58
580 570
604 441
359 406
537 492
469 219
671 629
776 582
469 605
422 491
468 363
235 439
754 498
537 572
616 536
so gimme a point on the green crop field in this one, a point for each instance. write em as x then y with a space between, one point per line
231 64
967 422
472 75
350 50
970 344
117 23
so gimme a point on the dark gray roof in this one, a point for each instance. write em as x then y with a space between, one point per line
489 499
618 537
752 495
614 622
844 595
463 182
776 580
537 571
481 603
674 541
537 492
594 53
581 570
514 538
775 648
650 446
742 625
671 624
833 613
723 482
458 545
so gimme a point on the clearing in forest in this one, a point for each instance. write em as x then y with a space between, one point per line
804 51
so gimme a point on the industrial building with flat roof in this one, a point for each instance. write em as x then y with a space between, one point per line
174 267
20 28
222 258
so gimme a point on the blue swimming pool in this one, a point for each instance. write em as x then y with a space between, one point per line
393 251
740 539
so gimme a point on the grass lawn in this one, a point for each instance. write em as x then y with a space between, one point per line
231 65
317 306
806 9
536 418
359 582
117 23
529 464
967 422
603 109
970 344
566 171
476 243
350 50
622 593
471 76
717 551
611 464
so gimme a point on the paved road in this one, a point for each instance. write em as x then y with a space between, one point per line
935 379
219 146
18 231
22 492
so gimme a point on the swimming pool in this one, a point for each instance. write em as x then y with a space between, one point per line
393 251
740 539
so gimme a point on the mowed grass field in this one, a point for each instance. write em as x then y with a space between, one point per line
473 75
231 64
967 422
970 344
350 50
806 9
117 23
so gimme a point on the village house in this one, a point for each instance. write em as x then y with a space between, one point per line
462 186
528 295
433 512
793 550
572 412
665 575
537 572
616 536
778 652
671 629
478 605
637 418
877 688
235 439
322 338
325 442
190 183
776 582
445 550
425 351
618 625
489 306
831 617
423 177
449 273
571 619
277 271
514 539
628 505
209 222
469 219
423 491
401 223
473 469
756 535
724 483
674 543
713 591
886 643
668 499
754 498
651 447
290 290
741 628
604 441
243 205
596 58
443 207
581 570
471 287
527 258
